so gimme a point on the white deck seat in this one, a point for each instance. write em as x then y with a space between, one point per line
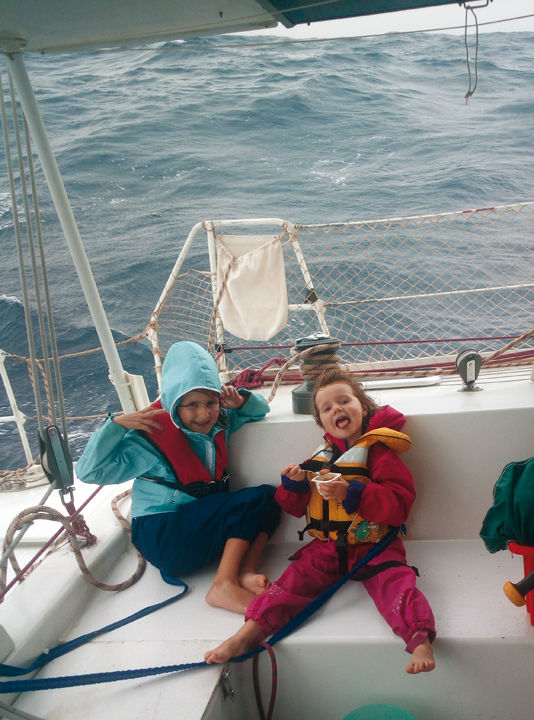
475 622
484 645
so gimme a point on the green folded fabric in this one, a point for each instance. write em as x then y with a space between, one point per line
512 515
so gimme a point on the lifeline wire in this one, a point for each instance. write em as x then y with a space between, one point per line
183 46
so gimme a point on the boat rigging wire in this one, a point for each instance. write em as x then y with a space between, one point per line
296 41
184 45
46 329
46 288
50 440
22 271
16 226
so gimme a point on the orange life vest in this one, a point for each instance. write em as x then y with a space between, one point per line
328 518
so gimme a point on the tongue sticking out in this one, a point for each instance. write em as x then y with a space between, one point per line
342 422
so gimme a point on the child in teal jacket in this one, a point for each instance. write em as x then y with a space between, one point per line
183 515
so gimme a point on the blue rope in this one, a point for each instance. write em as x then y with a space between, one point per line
17 686
63 648
319 601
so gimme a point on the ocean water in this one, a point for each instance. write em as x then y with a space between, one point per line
152 140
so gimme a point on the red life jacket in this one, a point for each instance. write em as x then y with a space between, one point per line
191 476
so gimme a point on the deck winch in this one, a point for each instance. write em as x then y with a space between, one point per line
318 353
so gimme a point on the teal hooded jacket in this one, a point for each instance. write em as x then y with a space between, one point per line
115 455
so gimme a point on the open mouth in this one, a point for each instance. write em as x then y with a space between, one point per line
342 422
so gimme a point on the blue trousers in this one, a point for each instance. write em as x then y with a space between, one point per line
180 542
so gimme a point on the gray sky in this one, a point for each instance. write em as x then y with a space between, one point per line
439 17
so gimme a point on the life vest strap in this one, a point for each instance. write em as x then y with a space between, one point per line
369 571
314 465
347 471
195 489
326 526
342 552
342 527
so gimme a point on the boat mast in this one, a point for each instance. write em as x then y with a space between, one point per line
118 377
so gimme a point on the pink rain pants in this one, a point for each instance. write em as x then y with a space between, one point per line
316 566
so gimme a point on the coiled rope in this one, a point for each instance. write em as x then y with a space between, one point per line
73 527
308 370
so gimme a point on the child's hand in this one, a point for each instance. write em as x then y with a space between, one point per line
230 398
140 420
294 472
334 490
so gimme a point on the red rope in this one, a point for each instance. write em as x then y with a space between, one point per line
78 523
523 355
429 341
55 536
248 379
274 683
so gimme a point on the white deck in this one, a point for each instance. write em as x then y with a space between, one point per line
346 655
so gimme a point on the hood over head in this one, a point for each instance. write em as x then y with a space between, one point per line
187 366
387 416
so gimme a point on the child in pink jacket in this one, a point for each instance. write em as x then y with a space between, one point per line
371 492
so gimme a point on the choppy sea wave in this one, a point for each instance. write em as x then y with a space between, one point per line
151 141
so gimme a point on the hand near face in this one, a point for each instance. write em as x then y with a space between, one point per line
230 398
145 420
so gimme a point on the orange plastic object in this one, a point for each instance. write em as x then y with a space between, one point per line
513 594
527 551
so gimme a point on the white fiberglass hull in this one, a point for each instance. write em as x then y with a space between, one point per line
345 656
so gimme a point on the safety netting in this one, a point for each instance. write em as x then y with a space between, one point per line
400 295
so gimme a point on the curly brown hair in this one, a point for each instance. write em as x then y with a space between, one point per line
337 375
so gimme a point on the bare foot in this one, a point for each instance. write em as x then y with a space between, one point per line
422 659
233 647
229 596
247 638
254 582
